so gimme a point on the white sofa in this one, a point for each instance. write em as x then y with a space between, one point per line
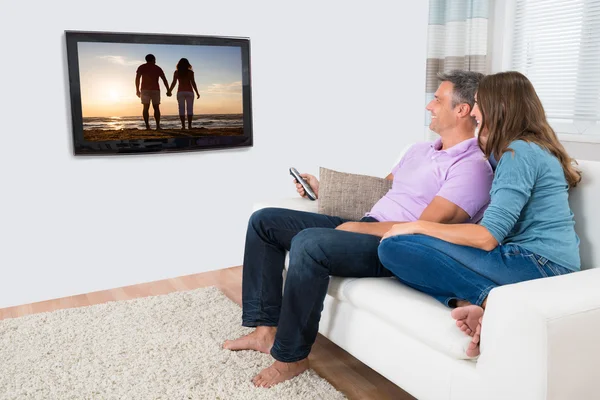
540 339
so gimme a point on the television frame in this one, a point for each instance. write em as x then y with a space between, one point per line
145 146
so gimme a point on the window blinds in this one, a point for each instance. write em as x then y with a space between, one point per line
556 44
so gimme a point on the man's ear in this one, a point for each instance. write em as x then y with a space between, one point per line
464 110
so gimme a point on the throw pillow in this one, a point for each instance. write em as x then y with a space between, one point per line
347 195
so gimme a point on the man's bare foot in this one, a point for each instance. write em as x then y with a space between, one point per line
279 372
261 339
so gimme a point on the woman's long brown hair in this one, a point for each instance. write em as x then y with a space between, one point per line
183 66
511 110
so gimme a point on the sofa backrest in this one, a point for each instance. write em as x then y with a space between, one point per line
583 200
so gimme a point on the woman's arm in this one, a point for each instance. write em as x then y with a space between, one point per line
471 235
174 81
194 84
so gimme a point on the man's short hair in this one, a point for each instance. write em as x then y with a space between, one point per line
150 58
465 85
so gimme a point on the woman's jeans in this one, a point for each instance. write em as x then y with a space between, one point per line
450 272
317 250
185 99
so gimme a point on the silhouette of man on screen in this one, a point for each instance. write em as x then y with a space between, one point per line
149 74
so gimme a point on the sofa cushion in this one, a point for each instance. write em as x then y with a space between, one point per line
347 195
410 311
414 313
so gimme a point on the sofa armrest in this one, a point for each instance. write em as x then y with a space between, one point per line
293 203
541 338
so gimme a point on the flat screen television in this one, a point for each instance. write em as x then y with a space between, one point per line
137 93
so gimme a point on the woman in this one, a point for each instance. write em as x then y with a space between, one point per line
527 231
185 91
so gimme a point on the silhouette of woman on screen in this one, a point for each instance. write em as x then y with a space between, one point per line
185 91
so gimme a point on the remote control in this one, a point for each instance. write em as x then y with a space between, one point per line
307 189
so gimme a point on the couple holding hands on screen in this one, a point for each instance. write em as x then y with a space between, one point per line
464 215
149 91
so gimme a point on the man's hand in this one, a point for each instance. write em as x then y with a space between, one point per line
138 93
351 227
312 181
169 93
367 228
407 228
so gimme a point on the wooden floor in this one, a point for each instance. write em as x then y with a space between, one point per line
344 372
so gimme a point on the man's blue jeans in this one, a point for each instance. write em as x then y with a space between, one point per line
317 250
450 272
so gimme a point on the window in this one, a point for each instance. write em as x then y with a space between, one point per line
556 44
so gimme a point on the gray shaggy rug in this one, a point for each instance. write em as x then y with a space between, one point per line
161 347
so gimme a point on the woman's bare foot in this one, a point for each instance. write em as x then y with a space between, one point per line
473 349
260 340
468 319
279 372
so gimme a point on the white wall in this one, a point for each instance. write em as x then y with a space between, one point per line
334 84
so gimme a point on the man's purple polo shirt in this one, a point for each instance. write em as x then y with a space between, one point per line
459 174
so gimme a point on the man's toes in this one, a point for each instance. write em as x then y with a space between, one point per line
266 383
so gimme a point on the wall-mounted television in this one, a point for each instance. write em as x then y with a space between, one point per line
137 93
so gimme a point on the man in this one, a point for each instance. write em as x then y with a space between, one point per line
447 181
150 90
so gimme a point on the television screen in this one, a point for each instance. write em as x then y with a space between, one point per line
155 93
